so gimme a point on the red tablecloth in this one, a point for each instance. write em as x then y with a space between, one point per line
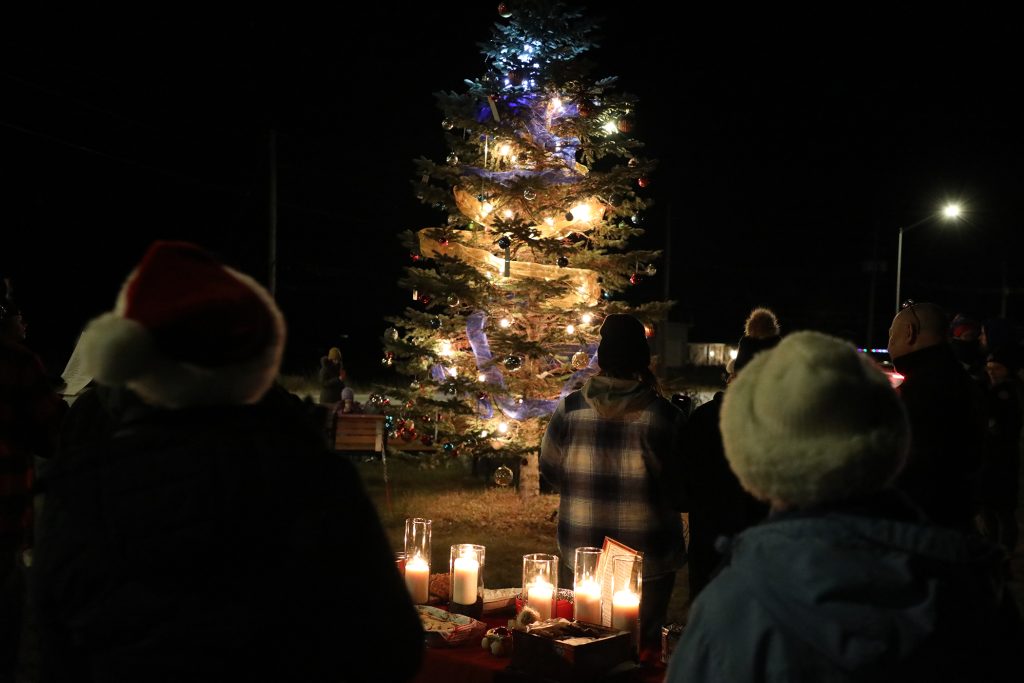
470 663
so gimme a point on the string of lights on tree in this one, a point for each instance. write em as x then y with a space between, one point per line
540 197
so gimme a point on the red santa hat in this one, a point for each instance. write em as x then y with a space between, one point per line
187 330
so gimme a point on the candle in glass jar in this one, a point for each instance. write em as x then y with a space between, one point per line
625 610
588 601
417 579
464 580
539 598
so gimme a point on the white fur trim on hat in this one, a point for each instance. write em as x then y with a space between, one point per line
813 421
118 349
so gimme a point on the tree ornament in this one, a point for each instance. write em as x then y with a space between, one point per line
580 360
388 360
452 300
624 125
633 162
504 242
529 195
447 124
435 323
504 11
414 256
513 363
652 270
414 385
562 261
427 440
634 278
448 447
425 299
503 475
391 334
453 159
643 181
450 388
568 216
636 218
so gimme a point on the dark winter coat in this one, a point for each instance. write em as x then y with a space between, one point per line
330 380
853 594
717 503
213 545
947 426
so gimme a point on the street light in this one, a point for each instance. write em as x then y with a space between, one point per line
949 212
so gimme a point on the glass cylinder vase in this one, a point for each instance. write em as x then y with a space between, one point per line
466 564
540 583
627 590
587 586
417 563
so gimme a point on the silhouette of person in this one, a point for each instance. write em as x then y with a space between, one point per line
946 412
212 537
30 413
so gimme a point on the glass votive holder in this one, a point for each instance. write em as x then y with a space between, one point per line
466 565
627 589
417 563
400 558
586 586
540 583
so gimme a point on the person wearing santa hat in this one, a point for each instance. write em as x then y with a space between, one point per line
212 537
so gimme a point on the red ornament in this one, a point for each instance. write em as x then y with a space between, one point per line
585 109
425 299
427 440
642 181
504 11
634 278
624 125
414 257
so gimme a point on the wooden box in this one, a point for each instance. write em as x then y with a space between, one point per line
574 659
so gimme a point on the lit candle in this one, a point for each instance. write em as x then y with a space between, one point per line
417 579
625 611
539 597
588 601
464 581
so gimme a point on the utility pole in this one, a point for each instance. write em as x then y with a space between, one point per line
272 211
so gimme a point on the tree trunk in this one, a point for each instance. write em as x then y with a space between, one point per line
529 476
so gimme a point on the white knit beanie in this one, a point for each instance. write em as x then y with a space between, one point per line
813 421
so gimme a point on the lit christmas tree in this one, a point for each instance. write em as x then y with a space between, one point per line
540 191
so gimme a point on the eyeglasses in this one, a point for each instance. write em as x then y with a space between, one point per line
909 305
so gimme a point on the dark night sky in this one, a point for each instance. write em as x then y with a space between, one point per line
789 149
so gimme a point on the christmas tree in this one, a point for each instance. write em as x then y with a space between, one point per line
540 196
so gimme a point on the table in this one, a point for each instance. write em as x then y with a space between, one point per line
470 663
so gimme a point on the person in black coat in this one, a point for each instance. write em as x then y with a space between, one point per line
946 409
718 506
211 537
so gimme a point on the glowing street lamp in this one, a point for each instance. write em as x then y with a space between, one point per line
949 212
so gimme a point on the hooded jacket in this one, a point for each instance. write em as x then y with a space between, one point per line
852 594
606 451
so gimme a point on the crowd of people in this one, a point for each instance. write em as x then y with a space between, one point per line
187 521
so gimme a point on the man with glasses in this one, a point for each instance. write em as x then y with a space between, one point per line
946 416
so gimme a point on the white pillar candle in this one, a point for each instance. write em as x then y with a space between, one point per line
464 580
588 601
417 579
625 611
539 598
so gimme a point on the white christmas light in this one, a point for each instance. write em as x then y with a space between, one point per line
549 221
504 149
581 212
611 127
505 322
486 208
509 213
587 319
481 377
569 329
503 427
444 348
733 353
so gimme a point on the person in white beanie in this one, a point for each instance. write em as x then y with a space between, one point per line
846 580
211 537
